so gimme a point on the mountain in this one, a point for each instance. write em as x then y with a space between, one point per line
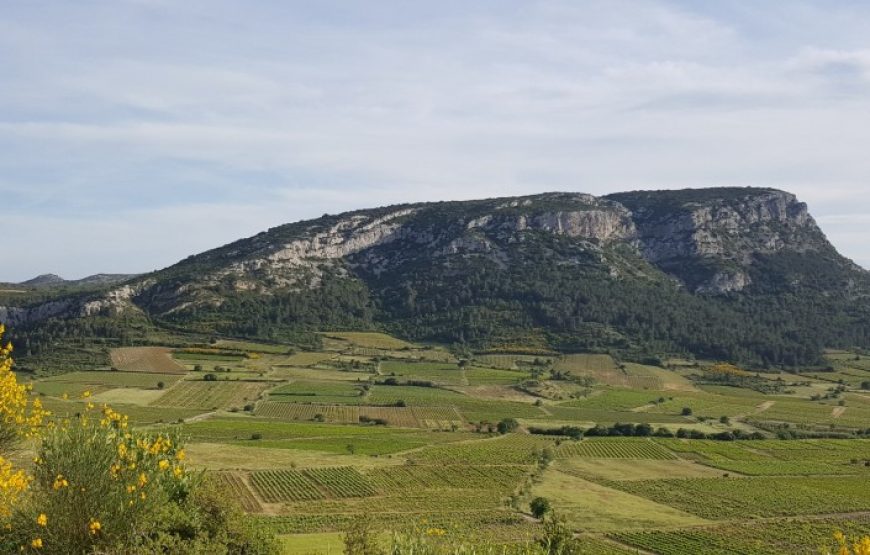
740 274
45 281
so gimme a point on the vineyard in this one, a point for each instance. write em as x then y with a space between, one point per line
279 486
210 395
615 449
235 484
723 498
507 450
404 417
310 441
503 479
777 537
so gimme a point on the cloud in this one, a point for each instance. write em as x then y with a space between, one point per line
287 110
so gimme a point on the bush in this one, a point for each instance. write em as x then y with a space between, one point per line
508 425
256 436
687 411
209 377
539 507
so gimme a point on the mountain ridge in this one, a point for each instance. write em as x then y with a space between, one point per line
541 268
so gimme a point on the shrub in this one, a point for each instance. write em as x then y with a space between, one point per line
508 425
539 507
687 411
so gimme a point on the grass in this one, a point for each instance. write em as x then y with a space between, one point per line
441 373
107 379
145 359
593 507
307 544
318 392
493 376
633 469
370 340
224 456
306 358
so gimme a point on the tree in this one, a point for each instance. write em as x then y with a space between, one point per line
508 425
687 411
160 385
539 507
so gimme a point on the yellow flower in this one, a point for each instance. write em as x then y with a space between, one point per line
94 527
143 479
86 394
177 471
42 519
163 465
36 544
60 482
180 455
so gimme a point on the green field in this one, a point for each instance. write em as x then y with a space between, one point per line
309 441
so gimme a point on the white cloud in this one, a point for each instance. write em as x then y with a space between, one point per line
340 106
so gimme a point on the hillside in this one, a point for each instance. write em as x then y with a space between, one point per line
740 274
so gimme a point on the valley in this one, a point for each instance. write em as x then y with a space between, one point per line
412 435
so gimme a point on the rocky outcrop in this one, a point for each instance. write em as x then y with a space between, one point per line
730 231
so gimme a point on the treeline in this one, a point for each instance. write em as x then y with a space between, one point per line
643 430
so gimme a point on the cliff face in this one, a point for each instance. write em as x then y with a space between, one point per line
709 243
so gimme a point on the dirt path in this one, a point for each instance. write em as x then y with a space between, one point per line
200 417
838 412
764 406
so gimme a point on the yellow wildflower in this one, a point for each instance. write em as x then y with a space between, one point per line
36 543
42 519
59 483
94 527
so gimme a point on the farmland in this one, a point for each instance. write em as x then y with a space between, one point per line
145 359
308 441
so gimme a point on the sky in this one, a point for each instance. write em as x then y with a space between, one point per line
134 133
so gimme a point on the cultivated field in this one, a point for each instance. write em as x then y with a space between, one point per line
146 359
309 441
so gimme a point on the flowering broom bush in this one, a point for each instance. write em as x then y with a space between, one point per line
98 486
845 546
20 417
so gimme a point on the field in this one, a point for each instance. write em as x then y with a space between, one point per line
210 395
309 441
145 359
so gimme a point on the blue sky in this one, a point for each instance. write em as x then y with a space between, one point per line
136 132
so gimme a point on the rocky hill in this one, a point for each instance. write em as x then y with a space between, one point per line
743 274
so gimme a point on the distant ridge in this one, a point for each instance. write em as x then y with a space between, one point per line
45 281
